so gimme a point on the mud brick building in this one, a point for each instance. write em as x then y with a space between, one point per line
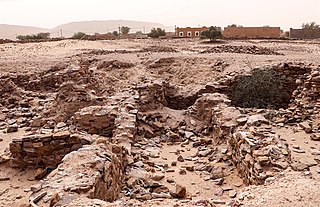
251 32
191 32
304 33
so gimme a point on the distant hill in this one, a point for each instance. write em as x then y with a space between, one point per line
10 31
89 27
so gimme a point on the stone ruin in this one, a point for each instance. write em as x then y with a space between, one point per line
99 139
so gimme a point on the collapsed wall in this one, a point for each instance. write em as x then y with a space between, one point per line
256 151
97 174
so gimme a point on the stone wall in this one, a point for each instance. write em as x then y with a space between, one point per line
99 173
251 32
258 153
304 33
96 119
256 150
44 150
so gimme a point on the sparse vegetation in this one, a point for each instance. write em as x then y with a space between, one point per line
39 36
234 25
156 33
125 30
79 35
115 33
262 89
212 33
310 25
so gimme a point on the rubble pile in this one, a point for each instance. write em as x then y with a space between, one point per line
114 64
158 49
254 50
106 52
162 62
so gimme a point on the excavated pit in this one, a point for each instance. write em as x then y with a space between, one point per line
263 88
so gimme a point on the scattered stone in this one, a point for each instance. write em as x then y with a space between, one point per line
182 172
315 152
224 151
12 128
36 188
232 194
257 120
205 153
55 198
180 192
61 125
170 180
219 202
41 173
315 137
218 192
216 173
298 166
298 150
306 126
218 181
226 188
269 180
309 162
188 135
157 177
180 158
190 168
4 179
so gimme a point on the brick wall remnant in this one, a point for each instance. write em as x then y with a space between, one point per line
304 33
251 32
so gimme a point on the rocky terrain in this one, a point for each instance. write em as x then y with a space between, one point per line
159 123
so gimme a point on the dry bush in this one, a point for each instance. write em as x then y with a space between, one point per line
262 89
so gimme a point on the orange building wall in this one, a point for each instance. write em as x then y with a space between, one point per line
251 32
305 33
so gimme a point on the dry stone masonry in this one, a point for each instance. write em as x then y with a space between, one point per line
45 150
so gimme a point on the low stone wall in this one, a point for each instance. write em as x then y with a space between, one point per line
44 150
96 120
258 154
256 150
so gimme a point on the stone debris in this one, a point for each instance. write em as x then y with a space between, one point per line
241 49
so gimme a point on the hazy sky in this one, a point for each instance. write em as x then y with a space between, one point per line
50 13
